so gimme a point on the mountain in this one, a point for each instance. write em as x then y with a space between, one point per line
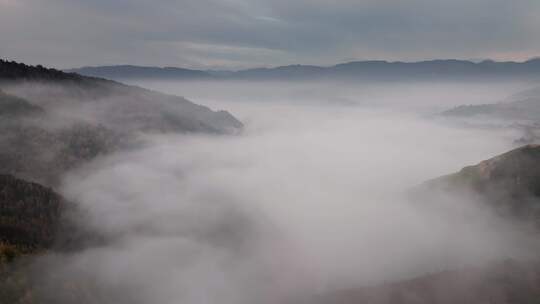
131 71
509 183
30 219
14 71
358 70
30 216
34 220
54 121
49 88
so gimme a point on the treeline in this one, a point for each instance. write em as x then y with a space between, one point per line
29 213
11 70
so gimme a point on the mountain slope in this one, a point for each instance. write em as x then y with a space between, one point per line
12 106
49 87
509 183
55 121
30 218
34 221
131 71
14 71
30 215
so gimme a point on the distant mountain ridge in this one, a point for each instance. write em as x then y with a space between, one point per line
132 71
363 70
520 111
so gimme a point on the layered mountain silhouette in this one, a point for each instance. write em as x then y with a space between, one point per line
358 70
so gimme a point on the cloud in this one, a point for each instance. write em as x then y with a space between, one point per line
73 33
309 198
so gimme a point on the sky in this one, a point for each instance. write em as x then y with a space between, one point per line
236 34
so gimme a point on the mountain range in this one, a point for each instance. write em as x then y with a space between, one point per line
374 70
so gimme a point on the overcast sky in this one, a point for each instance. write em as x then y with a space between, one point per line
247 33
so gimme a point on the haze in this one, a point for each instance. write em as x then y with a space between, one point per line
310 198
269 151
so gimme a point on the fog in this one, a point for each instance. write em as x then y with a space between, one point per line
416 95
310 197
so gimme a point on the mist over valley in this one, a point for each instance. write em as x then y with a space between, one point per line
252 152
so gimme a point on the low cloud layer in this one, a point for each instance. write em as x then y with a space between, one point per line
310 198
239 34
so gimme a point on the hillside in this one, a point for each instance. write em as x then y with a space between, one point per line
15 71
509 183
54 121
131 71
48 87
30 216
12 106
33 221
374 70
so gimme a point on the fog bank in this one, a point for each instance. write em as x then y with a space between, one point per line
310 197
